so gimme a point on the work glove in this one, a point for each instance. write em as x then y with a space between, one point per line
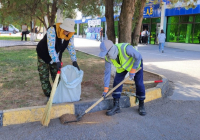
58 66
105 92
132 74
75 64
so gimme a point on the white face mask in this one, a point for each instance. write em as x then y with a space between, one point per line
113 52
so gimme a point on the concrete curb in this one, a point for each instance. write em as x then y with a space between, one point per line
164 86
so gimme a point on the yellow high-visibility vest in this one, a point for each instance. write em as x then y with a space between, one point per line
126 62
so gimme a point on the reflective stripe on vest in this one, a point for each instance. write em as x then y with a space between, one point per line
126 62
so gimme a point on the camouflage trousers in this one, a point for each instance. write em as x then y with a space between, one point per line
44 70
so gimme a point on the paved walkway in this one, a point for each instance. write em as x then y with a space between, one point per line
6 43
179 66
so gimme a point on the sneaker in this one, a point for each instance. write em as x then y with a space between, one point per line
162 51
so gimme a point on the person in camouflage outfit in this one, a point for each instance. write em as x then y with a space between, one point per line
43 70
58 38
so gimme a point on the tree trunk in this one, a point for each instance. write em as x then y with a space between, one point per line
125 21
138 17
53 13
109 13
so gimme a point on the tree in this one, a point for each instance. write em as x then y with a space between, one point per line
129 9
109 12
125 20
136 25
38 9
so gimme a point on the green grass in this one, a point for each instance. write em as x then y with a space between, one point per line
15 38
18 65
21 65
20 85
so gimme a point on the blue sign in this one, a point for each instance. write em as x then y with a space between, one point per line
182 11
152 11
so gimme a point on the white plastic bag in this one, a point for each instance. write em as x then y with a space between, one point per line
69 87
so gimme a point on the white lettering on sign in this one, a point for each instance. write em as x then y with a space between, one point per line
94 22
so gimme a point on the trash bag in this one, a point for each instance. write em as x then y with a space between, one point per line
69 87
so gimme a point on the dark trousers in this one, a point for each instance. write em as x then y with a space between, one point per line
44 70
143 39
146 39
140 88
24 33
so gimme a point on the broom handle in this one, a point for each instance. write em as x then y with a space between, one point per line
46 116
102 98
55 84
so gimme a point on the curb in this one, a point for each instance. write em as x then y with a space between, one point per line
34 114
164 86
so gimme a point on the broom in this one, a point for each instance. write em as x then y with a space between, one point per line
69 118
47 113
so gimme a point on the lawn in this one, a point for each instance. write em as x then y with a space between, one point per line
20 85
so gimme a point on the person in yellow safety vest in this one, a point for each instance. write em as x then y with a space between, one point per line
126 59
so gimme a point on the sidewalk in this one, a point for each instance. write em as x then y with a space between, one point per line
8 43
178 65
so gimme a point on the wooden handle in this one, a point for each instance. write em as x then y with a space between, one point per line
47 112
55 84
101 99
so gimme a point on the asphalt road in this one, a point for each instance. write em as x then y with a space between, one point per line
175 117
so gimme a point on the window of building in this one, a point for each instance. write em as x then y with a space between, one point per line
155 20
172 33
183 29
197 18
186 19
173 20
196 35
146 20
185 33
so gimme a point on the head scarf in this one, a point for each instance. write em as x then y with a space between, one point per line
60 33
